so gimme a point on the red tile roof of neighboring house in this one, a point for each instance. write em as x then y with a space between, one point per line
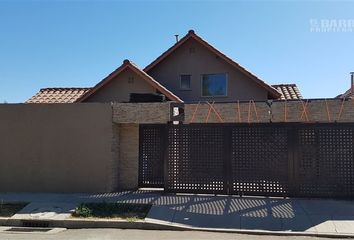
191 34
288 91
347 94
70 95
58 95
128 64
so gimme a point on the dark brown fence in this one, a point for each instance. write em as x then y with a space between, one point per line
151 155
278 159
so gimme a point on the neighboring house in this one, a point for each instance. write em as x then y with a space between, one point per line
348 94
190 71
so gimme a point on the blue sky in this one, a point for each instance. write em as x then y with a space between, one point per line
77 43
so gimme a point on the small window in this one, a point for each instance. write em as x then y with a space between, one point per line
214 85
185 82
130 79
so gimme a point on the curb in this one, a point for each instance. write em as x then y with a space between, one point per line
146 225
90 223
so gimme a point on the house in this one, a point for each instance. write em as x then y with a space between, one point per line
350 92
190 71
347 94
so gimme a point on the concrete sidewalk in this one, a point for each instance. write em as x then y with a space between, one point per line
313 216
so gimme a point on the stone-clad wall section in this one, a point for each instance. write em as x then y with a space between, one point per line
317 110
228 112
128 166
330 110
141 112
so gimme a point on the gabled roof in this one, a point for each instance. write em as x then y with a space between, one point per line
58 95
347 94
191 34
129 65
288 91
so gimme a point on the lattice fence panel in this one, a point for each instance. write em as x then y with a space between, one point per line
151 156
326 161
259 161
304 160
195 159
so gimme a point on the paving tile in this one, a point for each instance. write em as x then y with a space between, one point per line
268 223
174 202
207 220
160 213
344 224
298 223
40 210
327 207
342 208
323 224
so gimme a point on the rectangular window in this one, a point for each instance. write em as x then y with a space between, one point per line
185 82
214 85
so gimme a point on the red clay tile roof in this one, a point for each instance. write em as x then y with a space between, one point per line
191 34
347 94
70 95
288 91
58 95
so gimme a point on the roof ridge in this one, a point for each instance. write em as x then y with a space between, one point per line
66 88
285 84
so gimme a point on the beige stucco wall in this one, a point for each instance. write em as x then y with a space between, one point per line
56 148
119 89
199 62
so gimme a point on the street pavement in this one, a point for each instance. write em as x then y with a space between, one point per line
117 234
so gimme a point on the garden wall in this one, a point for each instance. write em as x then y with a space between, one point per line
56 148
94 147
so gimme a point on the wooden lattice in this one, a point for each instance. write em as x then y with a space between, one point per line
195 159
278 159
326 161
259 161
151 155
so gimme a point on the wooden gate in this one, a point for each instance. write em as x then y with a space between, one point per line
276 159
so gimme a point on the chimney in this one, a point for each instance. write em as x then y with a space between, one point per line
176 38
352 83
